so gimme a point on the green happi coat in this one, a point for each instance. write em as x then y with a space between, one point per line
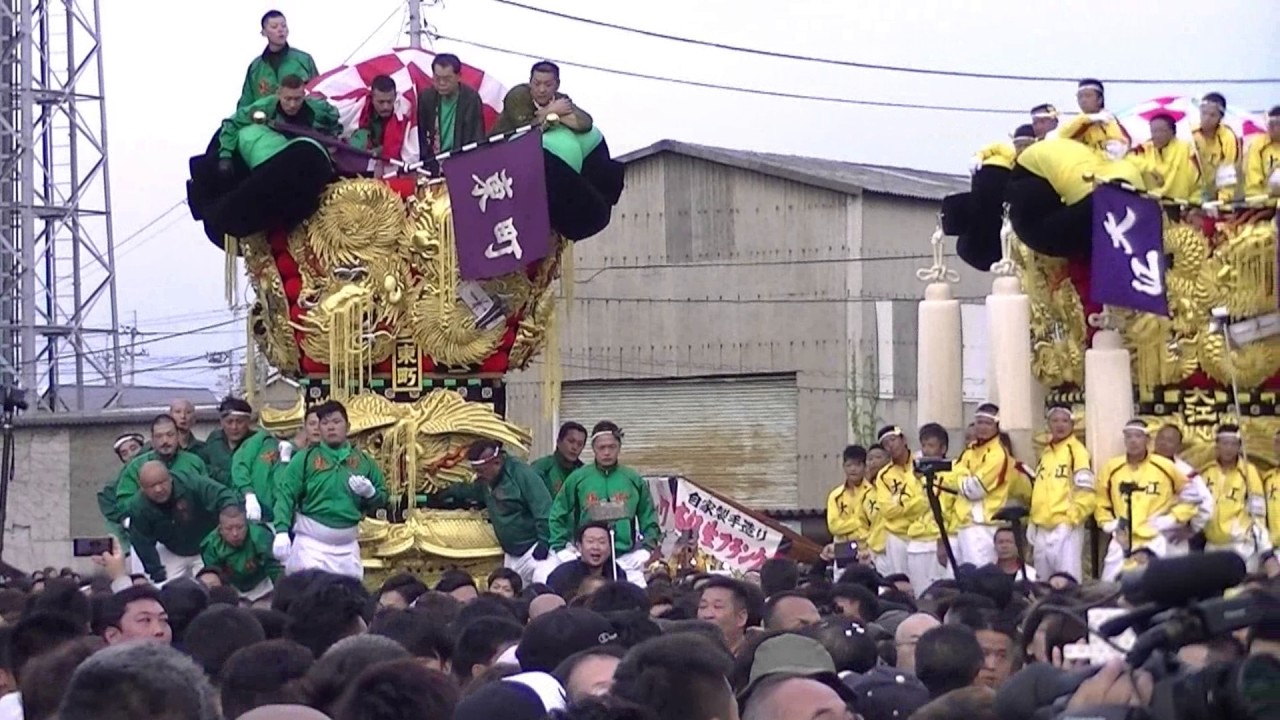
518 505
245 567
258 143
181 524
254 469
266 71
315 485
554 471
126 486
590 485
218 455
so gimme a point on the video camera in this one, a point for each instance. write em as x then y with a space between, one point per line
932 466
1176 602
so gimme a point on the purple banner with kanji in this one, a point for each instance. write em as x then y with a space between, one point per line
499 195
1128 264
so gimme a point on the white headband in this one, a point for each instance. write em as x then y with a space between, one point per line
120 441
889 433
236 413
1213 104
1139 429
605 433
989 416
486 458
1230 434
1057 409
1050 114
1090 86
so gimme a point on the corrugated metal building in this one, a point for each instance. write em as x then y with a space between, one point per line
748 314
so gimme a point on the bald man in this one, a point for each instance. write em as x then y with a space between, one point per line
171 516
795 698
183 413
908 634
544 604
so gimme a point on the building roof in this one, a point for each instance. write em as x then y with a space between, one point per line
132 397
837 175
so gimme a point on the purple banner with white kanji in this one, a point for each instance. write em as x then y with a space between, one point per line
1128 264
499 195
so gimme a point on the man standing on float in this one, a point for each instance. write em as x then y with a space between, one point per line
606 481
322 496
981 480
1062 499
261 457
277 61
221 445
1237 485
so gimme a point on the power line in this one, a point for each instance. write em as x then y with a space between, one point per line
400 9
735 88
875 66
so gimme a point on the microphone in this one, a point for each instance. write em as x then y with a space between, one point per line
1178 581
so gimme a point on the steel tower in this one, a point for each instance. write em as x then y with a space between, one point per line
59 328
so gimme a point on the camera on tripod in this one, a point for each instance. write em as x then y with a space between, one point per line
932 466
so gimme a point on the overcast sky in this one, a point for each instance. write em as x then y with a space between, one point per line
174 70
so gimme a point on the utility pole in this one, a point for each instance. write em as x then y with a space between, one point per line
415 24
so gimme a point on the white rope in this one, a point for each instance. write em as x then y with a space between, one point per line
1105 320
1005 265
938 271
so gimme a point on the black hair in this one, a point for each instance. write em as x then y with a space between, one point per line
1042 108
234 404
423 635
778 575
183 599
948 657
382 83
679 677
772 603
268 673
332 672
209 569
485 605
217 633
64 597
618 596
868 602
295 82
1228 428
849 643
1214 97
479 641
447 60
1093 81
273 622
607 426
991 408
224 595
569 427
937 432
1173 123
741 595
111 612
161 419
876 446
37 634
582 529
451 580
481 448
1004 529
511 576
47 676
546 66
855 453
326 612
270 15
398 690
329 407
406 585
571 663
1274 111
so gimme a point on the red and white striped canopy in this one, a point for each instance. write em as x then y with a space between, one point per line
347 88
1186 112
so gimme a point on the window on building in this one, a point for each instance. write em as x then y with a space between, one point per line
974 353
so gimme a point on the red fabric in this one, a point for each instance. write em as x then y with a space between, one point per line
393 134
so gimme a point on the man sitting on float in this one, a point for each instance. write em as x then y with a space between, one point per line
1095 126
248 133
1262 161
383 127
1217 150
1166 162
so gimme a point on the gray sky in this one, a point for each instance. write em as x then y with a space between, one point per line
164 105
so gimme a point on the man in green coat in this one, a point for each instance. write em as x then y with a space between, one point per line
263 455
518 504
220 447
557 466
164 448
248 132
241 551
277 61
171 517
126 447
322 496
606 481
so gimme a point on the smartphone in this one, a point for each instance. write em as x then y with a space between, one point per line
846 553
90 547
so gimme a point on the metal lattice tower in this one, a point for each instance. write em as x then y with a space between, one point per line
59 328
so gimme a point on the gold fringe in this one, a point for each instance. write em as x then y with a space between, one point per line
250 361
552 372
566 275
1256 264
231 250
347 354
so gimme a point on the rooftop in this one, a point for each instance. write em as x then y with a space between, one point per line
134 397
837 175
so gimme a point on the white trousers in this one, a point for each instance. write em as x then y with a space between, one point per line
318 547
530 569
175 566
631 564
259 591
880 562
1113 564
922 565
895 553
1058 549
976 545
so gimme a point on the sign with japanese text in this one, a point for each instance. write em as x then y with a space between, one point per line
501 223
1128 263
407 364
737 540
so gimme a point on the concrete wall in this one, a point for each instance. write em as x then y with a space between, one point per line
708 269
61 462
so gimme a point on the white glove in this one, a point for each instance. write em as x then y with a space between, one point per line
971 487
1102 116
125 523
1225 176
280 546
975 164
1116 149
1163 523
285 450
1109 527
1257 506
252 509
1274 180
362 486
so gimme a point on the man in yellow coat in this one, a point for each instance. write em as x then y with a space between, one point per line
1262 160
1095 126
1237 486
844 503
1062 499
981 481
1217 150
1138 500
900 499
1167 163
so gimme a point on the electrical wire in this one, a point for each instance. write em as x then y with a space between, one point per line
400 9
874 66
738 89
